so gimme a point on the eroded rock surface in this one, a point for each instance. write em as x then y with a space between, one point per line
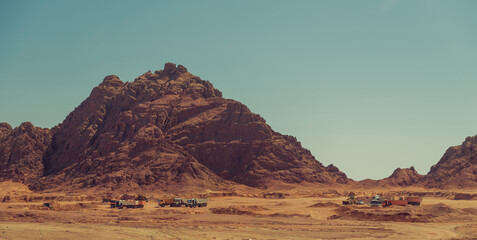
22 150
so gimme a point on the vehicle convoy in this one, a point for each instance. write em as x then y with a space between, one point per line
197 202
129 201
379 201
179 202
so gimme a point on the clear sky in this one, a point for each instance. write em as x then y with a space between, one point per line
368 86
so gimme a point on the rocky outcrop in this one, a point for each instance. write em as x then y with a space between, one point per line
173 128
404 177
21 151
457 167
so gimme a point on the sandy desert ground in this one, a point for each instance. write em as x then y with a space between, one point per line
315 214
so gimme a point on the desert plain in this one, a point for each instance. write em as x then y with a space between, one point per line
286 213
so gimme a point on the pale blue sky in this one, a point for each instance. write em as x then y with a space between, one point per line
366 85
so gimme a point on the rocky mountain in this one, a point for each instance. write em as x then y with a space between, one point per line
166 128
457 167
22 150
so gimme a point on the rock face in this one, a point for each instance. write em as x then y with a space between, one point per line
21 151
169 128
404 177
457 168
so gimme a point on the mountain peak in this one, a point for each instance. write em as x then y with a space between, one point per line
112 80
6 126
171 71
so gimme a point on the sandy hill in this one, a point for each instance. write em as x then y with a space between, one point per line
166 128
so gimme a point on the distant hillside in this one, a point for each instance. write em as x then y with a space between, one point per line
457 168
